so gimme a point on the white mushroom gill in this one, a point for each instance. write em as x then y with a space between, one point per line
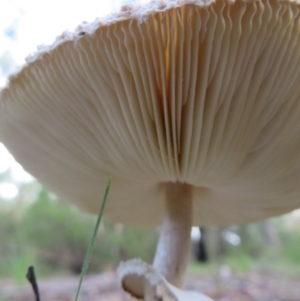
195 95
203 95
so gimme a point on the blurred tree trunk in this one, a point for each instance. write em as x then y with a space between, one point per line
201 251
221 243
246 239
269 233
243 233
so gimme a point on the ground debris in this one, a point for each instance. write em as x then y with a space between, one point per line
253 286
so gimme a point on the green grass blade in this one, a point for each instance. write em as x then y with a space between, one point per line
92 243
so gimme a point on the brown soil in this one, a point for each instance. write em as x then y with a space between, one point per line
251 287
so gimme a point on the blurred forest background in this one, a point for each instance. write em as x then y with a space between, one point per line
38 229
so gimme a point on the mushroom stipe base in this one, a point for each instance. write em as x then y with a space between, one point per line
144 283
164 280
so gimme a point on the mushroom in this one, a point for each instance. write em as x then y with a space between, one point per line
191 107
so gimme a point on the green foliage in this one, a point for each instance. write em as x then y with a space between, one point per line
239 261
17 265
54 237
14 253
54 226
292 247
208 269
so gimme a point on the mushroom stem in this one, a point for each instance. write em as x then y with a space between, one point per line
174 242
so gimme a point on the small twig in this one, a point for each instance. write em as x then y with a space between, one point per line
32 279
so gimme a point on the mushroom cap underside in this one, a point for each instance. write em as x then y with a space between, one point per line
199 92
